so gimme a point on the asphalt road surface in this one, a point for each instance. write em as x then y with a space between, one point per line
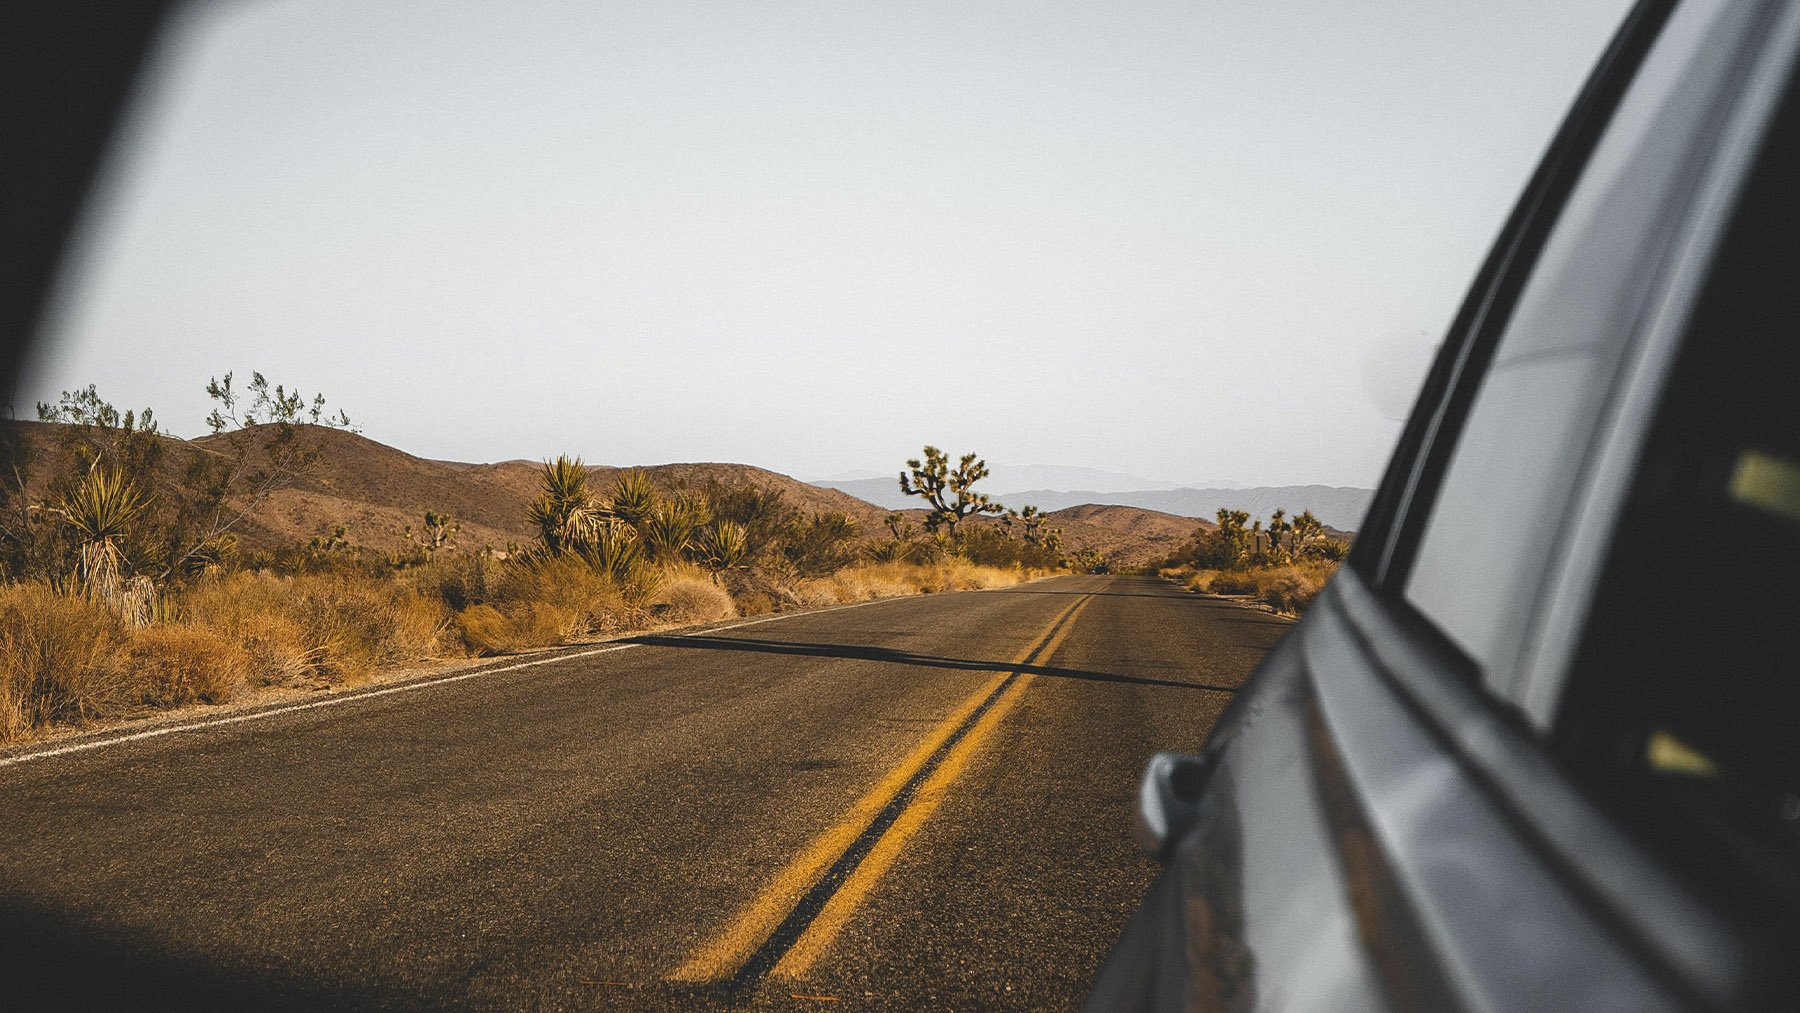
920 803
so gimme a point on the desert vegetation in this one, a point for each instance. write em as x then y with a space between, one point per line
126 584
1282 564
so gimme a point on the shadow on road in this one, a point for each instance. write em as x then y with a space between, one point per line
51 961
890 656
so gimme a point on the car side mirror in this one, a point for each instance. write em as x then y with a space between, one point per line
1167 801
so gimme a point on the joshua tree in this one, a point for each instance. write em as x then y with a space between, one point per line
948 491
439 532
898 526
1277 525
1306 527
670 529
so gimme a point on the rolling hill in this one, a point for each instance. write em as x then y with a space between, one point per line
375 491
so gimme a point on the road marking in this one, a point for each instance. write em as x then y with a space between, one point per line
369 694
837 911
782 915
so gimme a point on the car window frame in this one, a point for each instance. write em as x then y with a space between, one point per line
1501 738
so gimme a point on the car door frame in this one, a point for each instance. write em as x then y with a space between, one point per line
1684 943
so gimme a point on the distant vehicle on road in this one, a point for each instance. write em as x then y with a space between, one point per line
1534 747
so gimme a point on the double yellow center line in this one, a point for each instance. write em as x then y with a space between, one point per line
783 931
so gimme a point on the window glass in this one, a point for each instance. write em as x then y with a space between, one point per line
1684 698
1496 516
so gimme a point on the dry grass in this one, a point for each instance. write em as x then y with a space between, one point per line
541 604
252 609
1288 589
172 665
65 660
335 628
59 659
688 595
487 630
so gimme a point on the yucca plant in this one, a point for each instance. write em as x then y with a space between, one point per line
564 512
615 550
99 512
668 531
891 551
724 546
634 499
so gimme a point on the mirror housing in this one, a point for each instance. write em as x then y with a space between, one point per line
1168 798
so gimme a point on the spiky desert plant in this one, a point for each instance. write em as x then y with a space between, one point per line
634 498
616 550
891 551
564 512
100 511
695 505
669 530
724 546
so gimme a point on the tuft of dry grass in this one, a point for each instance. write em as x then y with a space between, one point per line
686 595
1288 588
59 659
253 610
335 627
523 626
541 603
172 665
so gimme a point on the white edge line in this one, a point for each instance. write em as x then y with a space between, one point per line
426 683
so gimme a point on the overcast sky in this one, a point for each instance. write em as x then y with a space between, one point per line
1202 240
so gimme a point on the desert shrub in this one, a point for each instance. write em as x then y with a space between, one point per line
332 626
347 626
182 664
459 580
688 597
754 603
591 599
824 544
542 600
1289 588
251 609
60 659
989 546
524 625
753 592
764 514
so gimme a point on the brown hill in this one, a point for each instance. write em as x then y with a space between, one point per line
375 492
1130 536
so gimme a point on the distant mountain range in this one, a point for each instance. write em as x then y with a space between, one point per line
1338 506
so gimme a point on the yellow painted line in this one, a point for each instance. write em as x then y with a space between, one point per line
726 952
837 911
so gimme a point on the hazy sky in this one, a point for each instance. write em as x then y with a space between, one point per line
1204 240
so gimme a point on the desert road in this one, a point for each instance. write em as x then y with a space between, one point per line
915 803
